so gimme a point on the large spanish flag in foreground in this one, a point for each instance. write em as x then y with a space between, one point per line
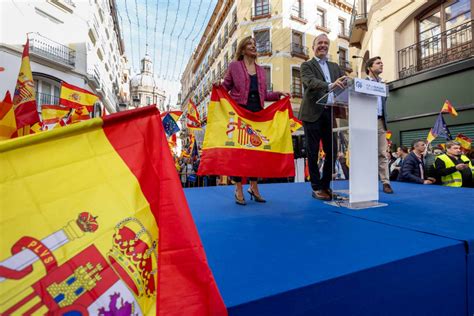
93 221
242 143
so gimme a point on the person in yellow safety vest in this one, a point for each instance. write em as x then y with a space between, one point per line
454 168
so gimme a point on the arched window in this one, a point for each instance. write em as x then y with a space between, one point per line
47 90
444 31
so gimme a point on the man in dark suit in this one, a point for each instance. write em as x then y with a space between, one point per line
319 77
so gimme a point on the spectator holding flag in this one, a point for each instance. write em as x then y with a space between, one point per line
246 83
454 168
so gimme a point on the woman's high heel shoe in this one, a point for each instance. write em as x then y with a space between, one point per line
239 201
257 198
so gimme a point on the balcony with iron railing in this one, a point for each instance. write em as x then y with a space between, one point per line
222 72
449 46
297 91
357 28
299 50
261 11
46 99
225 40
264 48
93 75
51 50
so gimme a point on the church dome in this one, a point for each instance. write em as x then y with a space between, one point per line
145 78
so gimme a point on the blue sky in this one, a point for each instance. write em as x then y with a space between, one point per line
171 28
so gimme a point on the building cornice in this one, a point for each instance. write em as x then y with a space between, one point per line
342 5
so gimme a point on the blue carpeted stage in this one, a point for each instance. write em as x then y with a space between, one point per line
298 256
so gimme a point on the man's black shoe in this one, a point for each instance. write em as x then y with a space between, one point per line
321 195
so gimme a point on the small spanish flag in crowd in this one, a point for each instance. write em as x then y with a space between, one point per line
388 134
111 234
52 114
75 97
449 108
192 117
7 117
24 98
464 141
238 142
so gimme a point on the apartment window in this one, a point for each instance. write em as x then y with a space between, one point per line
262 39
297 9
234 49
226 60
47 92
342 27
268 77
99 53
92 37
321 17
297 45
101 15
148 100
261 7
343 58
297 38
446 18
219 67
296 86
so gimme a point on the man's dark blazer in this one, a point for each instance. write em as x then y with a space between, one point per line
315 86
410 171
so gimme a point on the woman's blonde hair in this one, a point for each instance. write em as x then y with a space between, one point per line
240 48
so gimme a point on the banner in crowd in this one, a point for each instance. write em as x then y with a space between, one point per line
101 226
24 98
238 142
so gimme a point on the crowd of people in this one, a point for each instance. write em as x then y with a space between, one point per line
450 168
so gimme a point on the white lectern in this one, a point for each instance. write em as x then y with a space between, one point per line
361 97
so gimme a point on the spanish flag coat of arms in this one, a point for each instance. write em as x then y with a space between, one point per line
243 143
93 221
